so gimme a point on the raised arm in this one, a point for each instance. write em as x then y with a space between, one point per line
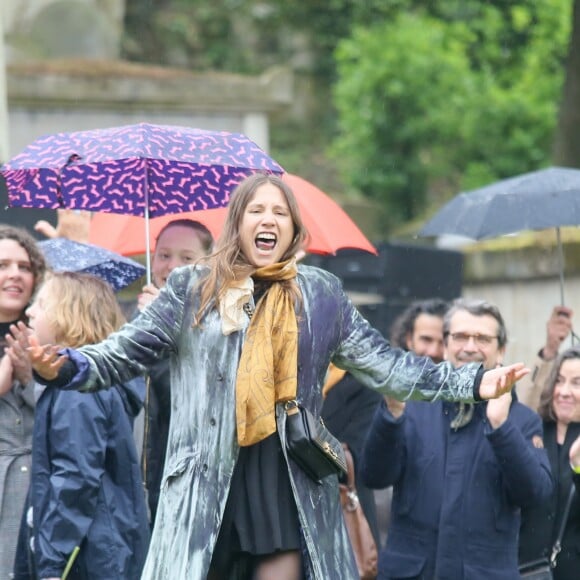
125 354
402 375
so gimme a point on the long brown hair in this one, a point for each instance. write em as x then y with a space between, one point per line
546 407
228 263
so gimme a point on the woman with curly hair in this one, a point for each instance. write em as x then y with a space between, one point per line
22 267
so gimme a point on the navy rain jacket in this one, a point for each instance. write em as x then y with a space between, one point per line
86 486
457 495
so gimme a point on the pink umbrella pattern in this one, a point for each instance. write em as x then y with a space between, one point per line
142 170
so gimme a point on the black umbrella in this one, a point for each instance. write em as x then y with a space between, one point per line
549 198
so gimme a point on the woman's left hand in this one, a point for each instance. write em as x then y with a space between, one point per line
501 380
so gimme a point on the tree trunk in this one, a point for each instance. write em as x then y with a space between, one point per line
567 138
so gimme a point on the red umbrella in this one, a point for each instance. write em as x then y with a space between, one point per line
330 227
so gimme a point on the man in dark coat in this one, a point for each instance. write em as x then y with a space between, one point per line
461 472
349 406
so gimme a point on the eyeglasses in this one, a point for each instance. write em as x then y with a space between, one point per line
479 339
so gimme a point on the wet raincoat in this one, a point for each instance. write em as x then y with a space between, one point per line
203 449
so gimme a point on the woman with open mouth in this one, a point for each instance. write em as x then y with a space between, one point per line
246 331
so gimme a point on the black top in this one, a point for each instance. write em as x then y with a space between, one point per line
541 523
4 330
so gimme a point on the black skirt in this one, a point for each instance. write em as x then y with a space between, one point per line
260 516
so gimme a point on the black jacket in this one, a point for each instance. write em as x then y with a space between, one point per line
157 415
541 524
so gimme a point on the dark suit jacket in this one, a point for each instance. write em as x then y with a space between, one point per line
457 494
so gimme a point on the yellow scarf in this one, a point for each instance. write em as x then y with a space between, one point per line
268 368
333 376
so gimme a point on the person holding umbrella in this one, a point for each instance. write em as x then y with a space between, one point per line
179 243
558 329
233 504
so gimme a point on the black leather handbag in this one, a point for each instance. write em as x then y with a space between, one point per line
311 445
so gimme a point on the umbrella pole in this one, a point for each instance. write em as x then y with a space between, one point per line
147 247
561 262
147 234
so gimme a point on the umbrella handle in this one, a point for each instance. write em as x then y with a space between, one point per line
561 263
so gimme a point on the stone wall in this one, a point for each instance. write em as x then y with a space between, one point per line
45 29
525 284
63 74
72 95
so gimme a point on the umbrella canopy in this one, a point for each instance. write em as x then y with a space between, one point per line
549 198
63 254
140 169
330 227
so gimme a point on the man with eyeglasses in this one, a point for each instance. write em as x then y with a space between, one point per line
460 473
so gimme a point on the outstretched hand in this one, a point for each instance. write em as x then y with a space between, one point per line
45 360
501 380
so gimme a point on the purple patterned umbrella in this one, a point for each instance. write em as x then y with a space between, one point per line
144 170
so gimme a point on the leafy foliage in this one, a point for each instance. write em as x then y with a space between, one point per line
428 106
225 35
430 96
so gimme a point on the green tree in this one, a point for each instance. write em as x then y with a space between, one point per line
567 141
401 90
428 106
